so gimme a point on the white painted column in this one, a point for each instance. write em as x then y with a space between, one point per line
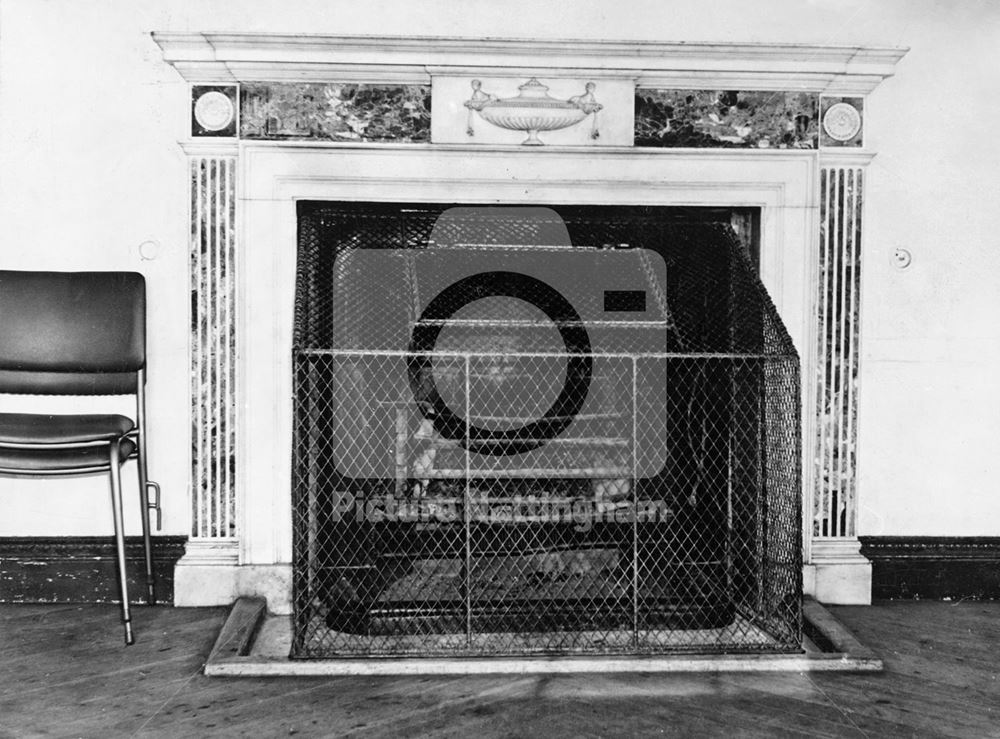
207 573
837 572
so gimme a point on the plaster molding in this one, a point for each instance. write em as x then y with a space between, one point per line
248 57
261 71
210 552
206 148
208 572
845 158
837 550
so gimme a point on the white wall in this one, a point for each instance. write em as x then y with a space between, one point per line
89 169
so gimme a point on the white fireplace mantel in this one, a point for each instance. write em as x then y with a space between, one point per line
258 183
228 57
274 177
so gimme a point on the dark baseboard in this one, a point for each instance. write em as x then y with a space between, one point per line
934 566
81 569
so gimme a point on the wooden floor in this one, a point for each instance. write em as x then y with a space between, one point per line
63 672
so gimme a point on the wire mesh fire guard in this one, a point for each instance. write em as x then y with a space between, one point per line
539 431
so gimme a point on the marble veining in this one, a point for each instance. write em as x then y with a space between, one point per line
335 112
726 119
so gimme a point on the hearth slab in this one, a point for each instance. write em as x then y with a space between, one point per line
253 643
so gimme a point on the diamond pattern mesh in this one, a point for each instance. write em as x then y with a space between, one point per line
490 479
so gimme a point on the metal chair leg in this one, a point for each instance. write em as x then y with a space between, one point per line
116 510
144 485
147 545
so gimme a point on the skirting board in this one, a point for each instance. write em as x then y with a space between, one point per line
247 647
933 567
81 569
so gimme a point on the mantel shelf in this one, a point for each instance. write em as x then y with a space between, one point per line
229 57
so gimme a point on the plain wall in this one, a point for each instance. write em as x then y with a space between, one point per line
90 117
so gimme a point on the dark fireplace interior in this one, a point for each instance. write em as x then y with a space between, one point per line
593 449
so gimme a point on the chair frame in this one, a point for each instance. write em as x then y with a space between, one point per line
113 467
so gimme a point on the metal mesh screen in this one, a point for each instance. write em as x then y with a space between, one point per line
522 431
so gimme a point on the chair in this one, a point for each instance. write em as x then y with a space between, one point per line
78 333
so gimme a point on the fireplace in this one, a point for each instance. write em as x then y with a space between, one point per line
559 429
279 120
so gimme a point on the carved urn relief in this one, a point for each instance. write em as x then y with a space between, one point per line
482 109
533 110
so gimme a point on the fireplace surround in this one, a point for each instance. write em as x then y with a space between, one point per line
244 227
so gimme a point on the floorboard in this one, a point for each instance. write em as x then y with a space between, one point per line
65 673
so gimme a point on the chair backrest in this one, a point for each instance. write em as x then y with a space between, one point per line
71 333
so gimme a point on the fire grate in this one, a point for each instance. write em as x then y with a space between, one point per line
540 430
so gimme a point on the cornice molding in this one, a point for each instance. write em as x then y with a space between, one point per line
221 57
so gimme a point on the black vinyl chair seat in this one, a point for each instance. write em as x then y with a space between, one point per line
53 461
38 428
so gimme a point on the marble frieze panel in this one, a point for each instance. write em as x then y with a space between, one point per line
467 110
335 112
726 119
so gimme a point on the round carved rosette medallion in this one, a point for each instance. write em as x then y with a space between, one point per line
842 122
214 111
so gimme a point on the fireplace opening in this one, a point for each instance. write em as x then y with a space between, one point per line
560 429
